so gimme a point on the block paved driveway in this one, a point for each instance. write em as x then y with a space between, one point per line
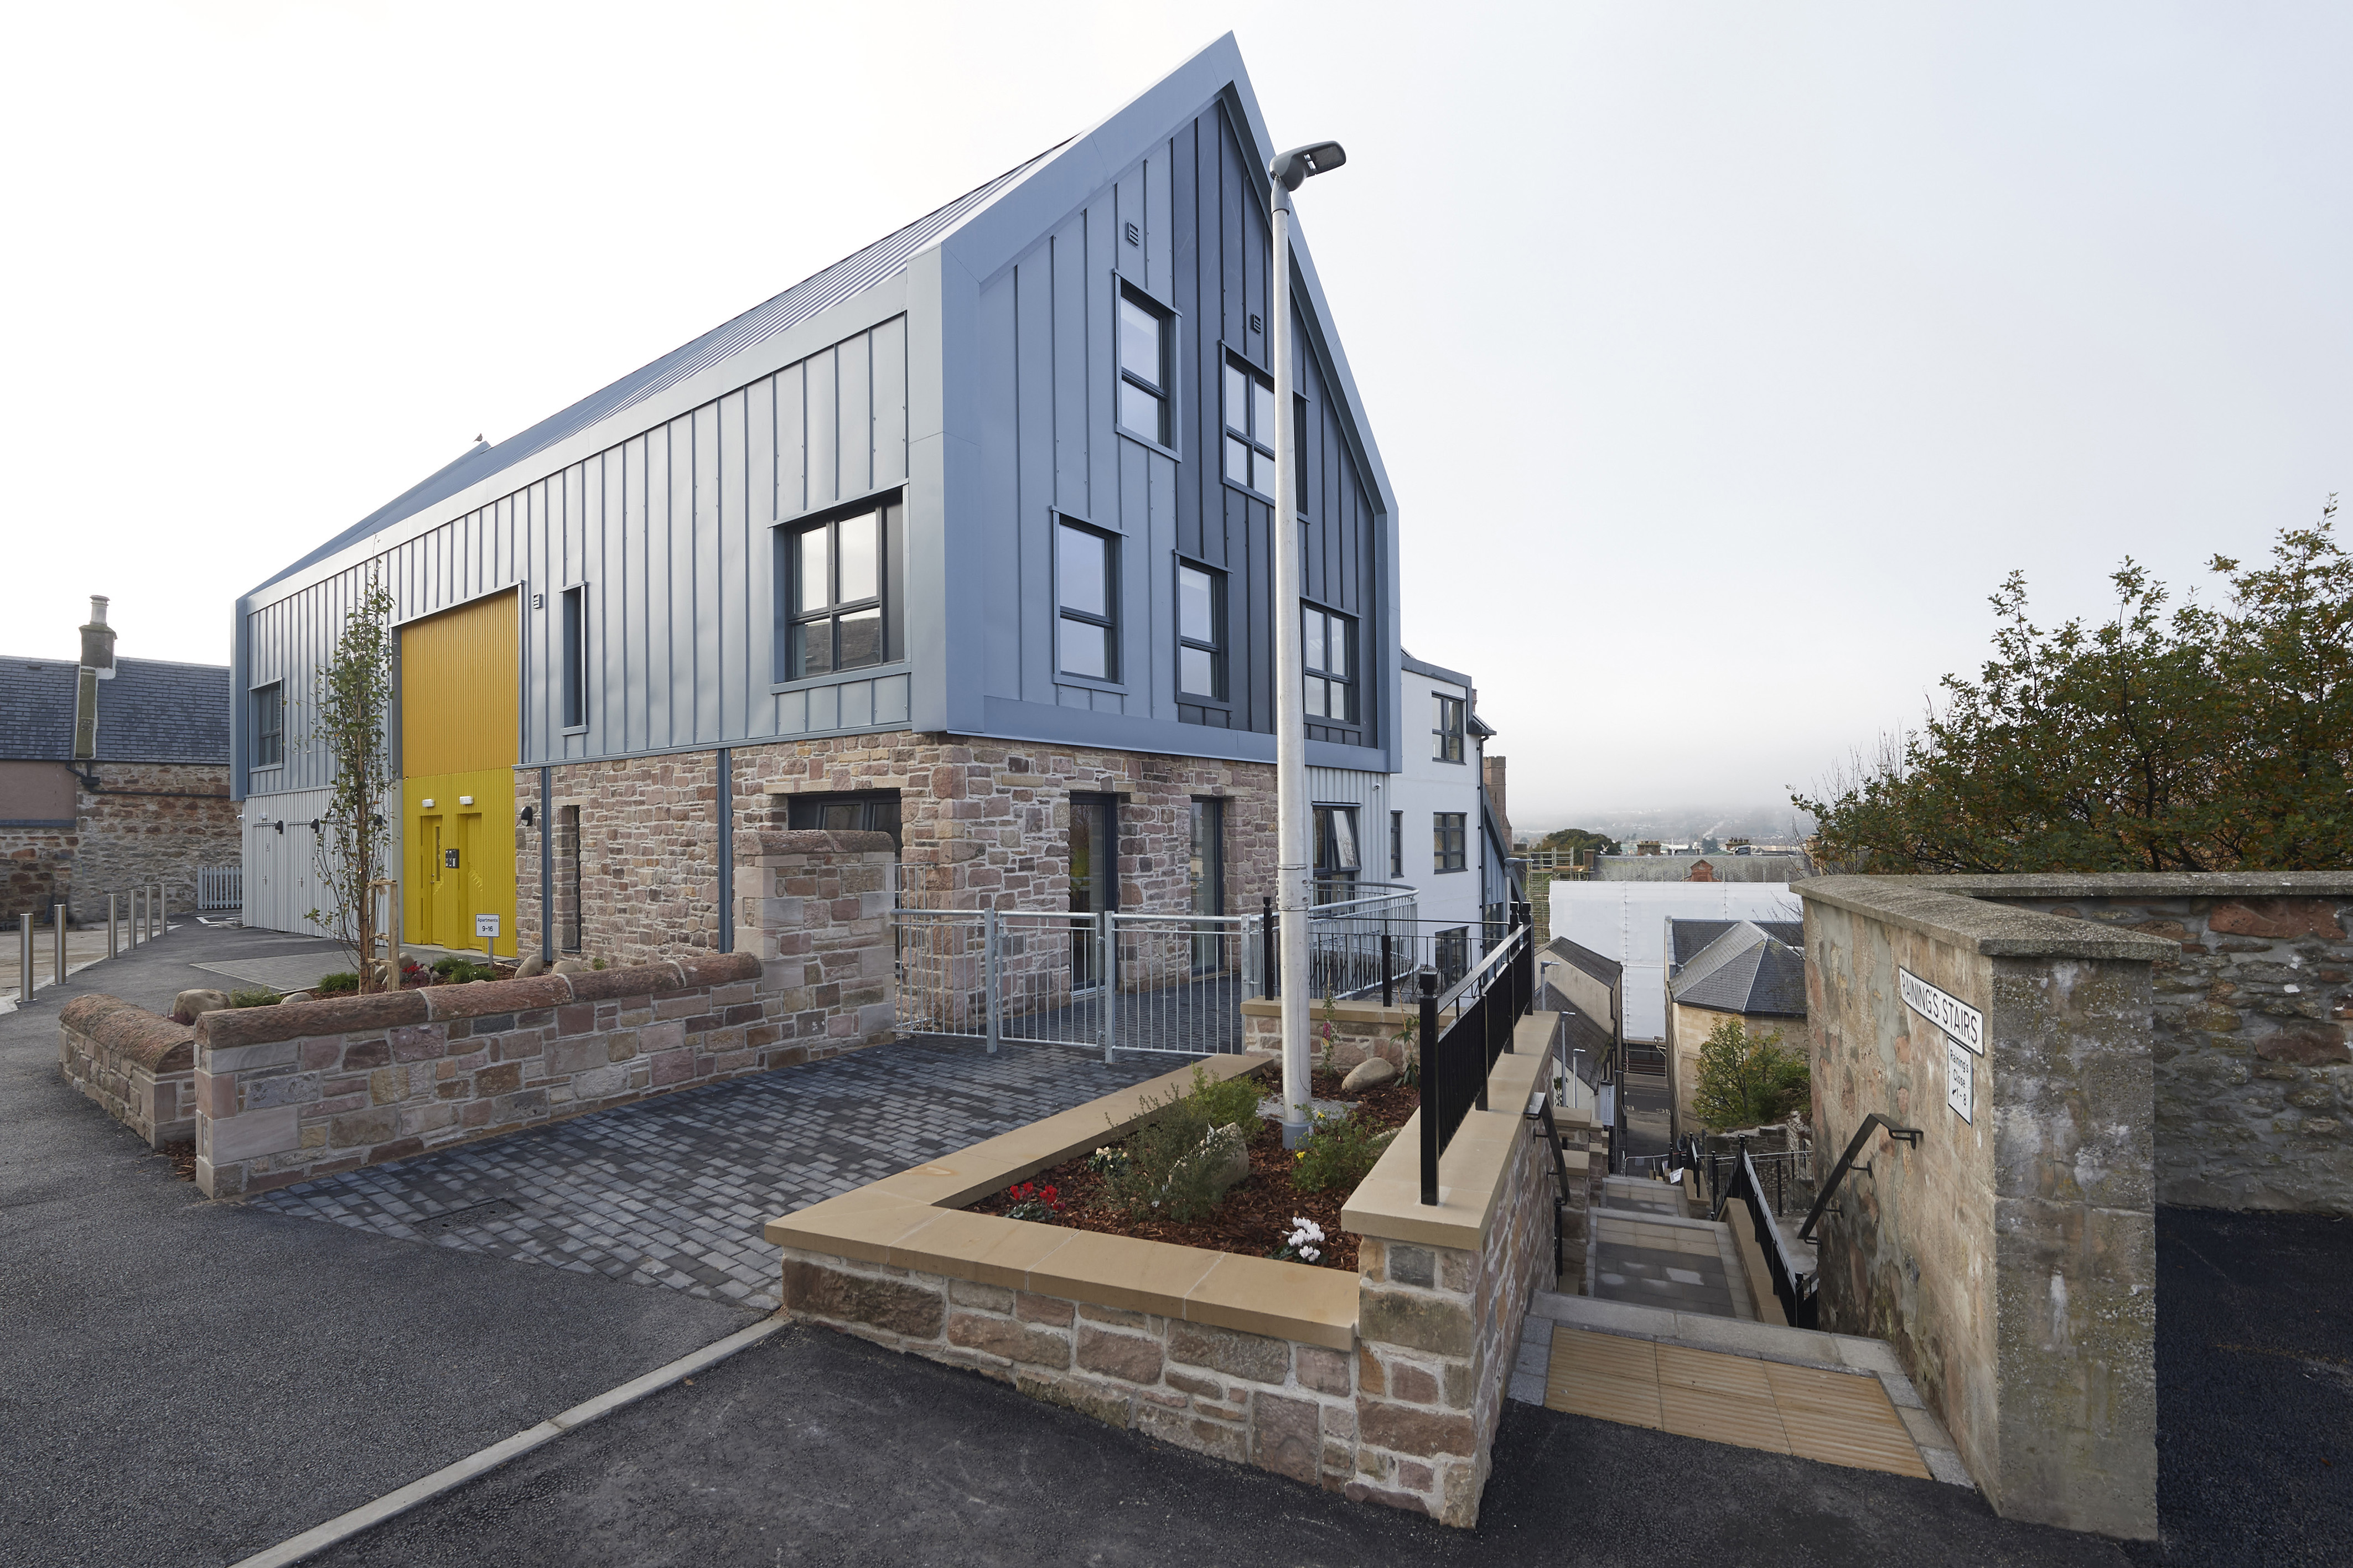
672 1191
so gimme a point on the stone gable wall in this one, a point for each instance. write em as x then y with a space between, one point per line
153 821
982 823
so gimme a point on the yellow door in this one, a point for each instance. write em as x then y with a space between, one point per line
457 720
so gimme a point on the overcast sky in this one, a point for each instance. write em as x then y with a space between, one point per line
1725 357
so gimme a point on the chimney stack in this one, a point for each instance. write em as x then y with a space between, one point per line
97 664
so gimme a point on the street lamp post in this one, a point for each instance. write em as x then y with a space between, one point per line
1294 844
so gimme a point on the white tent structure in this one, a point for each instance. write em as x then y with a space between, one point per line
1627 922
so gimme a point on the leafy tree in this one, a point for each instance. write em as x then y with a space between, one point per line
1747 1080
2204 740
1576 841
348 727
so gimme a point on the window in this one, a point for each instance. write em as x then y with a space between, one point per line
567 877
1250 427
1335 853
270 724
1143 357
873 811
1448 727
1396 843
575 658
1447 845
1453 955
1200 631
1327 646
835 575
1087 570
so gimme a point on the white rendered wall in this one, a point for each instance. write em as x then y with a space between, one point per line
1424 787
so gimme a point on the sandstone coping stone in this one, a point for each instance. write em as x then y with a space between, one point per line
611 984
721 968
326 1015
155 1043
2141 884
1950 915
489 998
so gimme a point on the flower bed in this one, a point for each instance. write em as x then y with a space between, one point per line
1256 1214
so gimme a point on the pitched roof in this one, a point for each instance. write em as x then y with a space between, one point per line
1686 939
1606 969
154 711
853 274
1747 969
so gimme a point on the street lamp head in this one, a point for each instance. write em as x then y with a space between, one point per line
1293 167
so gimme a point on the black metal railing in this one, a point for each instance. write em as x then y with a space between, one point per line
1793 1283
1461 1031
1846 1162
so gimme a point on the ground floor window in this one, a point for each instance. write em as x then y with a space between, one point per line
1336 860
848 811
566 850
1207 871
1094 881
1453 955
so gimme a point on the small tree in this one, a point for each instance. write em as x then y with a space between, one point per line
352 700
1747 1080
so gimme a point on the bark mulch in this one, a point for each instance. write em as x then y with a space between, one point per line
1256 1212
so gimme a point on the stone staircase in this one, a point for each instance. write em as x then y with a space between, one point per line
1644 1246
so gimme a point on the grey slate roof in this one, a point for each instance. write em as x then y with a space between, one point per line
1687 939
1606 969
851 275
1745 970
154 711
1413 666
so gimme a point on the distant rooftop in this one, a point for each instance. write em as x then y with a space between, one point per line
1749 967
154 711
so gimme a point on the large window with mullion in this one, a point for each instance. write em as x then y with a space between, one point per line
1200 631
1328 651
1086 588
836 582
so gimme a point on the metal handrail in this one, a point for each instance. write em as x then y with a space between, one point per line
1855 1146
1499 953
1793 1285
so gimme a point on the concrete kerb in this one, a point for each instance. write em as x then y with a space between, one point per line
344 1526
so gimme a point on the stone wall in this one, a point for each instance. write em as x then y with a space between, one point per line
35 869
816 913
981 823
153 821
1347 1032
141 1067
2251 1018
2009 1259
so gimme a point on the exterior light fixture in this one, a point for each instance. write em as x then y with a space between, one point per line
465 800
1293 168
427 805
526 817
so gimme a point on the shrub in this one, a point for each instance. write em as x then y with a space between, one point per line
458 971
1747 1080
1230 1104
336 984
254 998
1338 1152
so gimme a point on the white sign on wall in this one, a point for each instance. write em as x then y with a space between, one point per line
486 926
1960 1081
1955 1017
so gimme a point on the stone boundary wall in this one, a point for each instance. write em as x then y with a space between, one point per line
2011 1258
2249 1030
35 869
816 913
1358 1030
153 821
141 1067
308 1089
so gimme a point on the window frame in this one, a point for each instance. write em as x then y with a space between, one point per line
804 802
1109 620
1343 880
1397 843
270 695
1457 709
1216 647
1125 290
572 643
1346 680
1446 858
888 507
1232 360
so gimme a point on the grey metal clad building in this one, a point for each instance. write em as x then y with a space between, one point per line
1000 480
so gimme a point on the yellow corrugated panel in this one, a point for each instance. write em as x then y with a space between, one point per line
458 696
458 689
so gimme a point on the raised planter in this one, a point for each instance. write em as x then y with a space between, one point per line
141 1067
1384 1385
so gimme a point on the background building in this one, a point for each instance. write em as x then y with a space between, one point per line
113 774
1750 971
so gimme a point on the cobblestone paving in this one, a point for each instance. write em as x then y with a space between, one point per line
672 1192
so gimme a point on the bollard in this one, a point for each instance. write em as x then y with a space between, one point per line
58 942
113 932
25 958
138 896
1108 980
990 971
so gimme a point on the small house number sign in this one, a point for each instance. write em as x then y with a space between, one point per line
486 925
